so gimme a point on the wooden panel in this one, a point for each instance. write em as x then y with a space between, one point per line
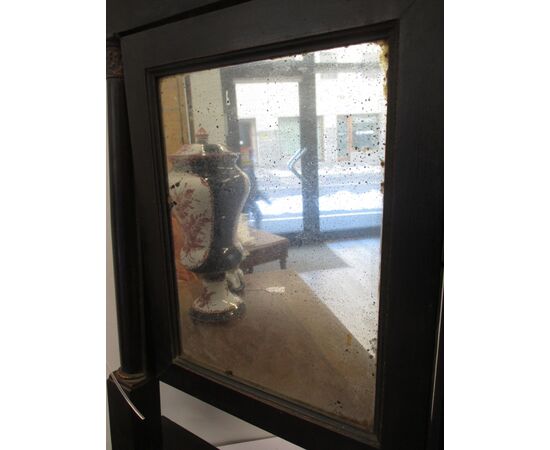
284 21
123 16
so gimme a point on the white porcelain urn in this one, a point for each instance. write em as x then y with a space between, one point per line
207 192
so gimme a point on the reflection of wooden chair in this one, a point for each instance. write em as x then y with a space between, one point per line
264 248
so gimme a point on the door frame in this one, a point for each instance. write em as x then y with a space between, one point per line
231 76
413 203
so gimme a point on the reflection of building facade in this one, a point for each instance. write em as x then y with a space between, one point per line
350 117
349 103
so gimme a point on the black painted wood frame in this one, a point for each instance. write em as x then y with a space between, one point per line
124 227
413 201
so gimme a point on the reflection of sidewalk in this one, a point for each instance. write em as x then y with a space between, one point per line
338 201
271 180
326 169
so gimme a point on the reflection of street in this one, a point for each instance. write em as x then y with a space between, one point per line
349 198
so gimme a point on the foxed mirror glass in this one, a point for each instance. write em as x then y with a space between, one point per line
276 175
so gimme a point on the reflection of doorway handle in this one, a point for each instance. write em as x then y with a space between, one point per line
293 160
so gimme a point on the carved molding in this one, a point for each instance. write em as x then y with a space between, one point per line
114 62
128 381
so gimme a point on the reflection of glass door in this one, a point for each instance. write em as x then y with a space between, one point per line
316 150
283 152
266 112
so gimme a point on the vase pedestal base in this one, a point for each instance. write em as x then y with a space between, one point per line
235 280
217 303
220 317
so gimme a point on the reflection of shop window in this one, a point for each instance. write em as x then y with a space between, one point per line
360 132
289 137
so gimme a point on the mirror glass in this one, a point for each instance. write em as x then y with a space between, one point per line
276 171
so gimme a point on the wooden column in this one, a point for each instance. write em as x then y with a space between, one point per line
124 227
134 399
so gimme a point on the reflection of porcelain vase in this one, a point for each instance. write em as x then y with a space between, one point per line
235 280
208 191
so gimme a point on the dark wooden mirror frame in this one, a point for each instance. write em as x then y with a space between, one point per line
413 202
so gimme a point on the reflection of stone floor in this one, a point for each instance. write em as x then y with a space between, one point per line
311 344
345 276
